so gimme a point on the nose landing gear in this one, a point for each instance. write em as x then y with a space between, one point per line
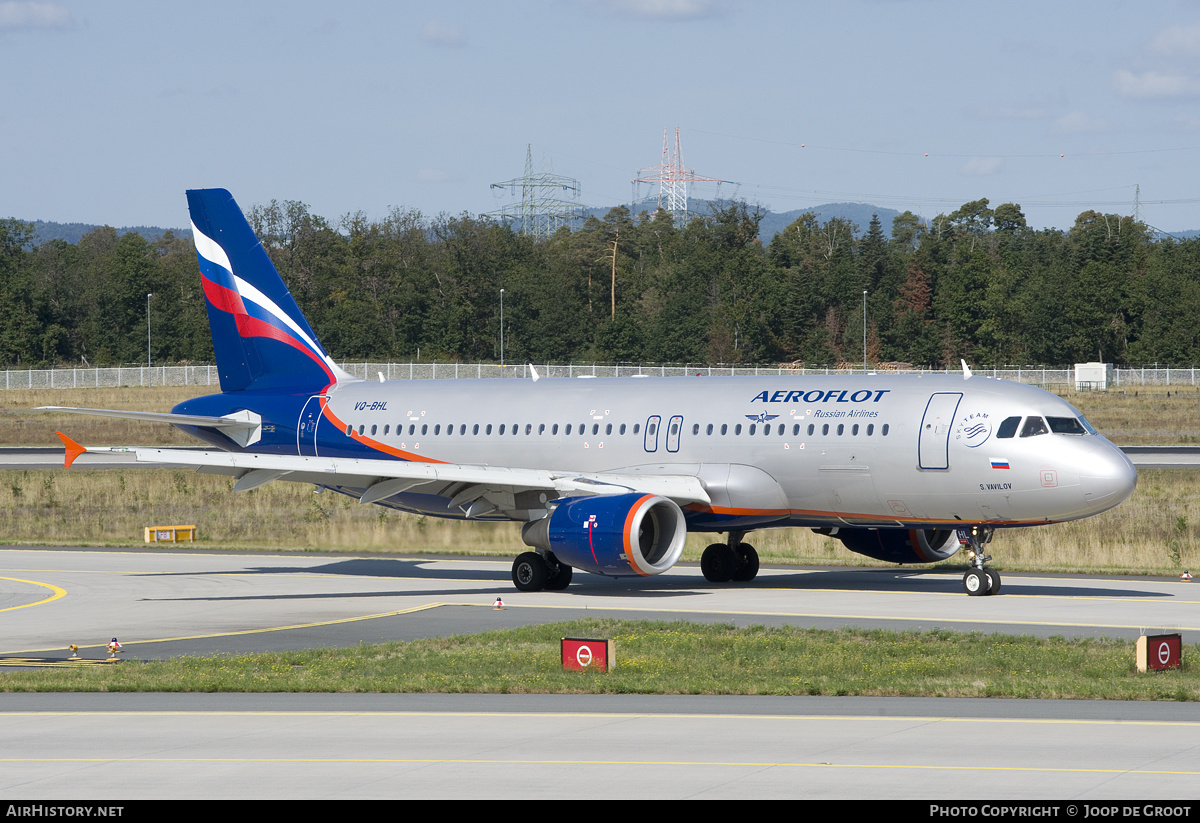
980 580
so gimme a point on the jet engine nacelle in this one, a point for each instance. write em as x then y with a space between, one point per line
616 535
901 545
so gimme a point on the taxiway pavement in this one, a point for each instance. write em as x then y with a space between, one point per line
162 603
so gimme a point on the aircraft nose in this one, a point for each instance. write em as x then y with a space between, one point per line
1106 476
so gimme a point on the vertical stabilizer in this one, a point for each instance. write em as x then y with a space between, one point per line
260 338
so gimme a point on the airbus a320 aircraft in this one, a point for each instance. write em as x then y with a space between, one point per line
608 475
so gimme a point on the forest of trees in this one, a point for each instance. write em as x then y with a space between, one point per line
977 284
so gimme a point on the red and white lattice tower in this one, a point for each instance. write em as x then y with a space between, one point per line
673 179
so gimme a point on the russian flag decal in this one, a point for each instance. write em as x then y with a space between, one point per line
999 463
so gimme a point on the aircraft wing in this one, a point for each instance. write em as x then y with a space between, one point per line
475 489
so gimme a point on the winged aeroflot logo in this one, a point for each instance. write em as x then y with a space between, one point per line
761 418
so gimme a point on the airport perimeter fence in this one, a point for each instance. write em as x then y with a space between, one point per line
206 375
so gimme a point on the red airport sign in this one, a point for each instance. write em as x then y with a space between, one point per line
1159 651
581 654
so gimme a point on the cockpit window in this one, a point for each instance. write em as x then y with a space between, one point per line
1066 425
1033 427
1009 427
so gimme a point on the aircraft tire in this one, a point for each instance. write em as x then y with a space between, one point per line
976 582
993 581
530 572
747 568
559 579
718 563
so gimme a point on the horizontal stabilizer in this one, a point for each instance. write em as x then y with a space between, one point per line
157 417
244 427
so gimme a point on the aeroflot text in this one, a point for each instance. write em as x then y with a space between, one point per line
818 396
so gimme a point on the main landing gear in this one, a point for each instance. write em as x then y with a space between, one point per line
979 579
533 572
735 560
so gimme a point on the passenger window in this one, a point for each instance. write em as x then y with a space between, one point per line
841 428
811 429
884 430
854 430
709 430
825 429
724 428
752 426
424 428
737 429
870 429
1033 427
1008 428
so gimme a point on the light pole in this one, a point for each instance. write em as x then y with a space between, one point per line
864 331
149 374
501 330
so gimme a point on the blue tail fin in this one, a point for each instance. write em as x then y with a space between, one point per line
260 338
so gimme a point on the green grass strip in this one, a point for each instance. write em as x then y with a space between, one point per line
666 658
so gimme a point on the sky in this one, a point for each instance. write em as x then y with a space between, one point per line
111 109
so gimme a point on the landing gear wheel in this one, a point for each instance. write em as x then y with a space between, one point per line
993 581
559 579
530 572
976 582
747 568
719 562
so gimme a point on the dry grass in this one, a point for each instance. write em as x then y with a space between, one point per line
1155 532
1145 416
1156 415
22 425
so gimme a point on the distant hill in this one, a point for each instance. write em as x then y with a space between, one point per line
45 231
775 222
857 213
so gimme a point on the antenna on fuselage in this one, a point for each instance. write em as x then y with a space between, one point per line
966 369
